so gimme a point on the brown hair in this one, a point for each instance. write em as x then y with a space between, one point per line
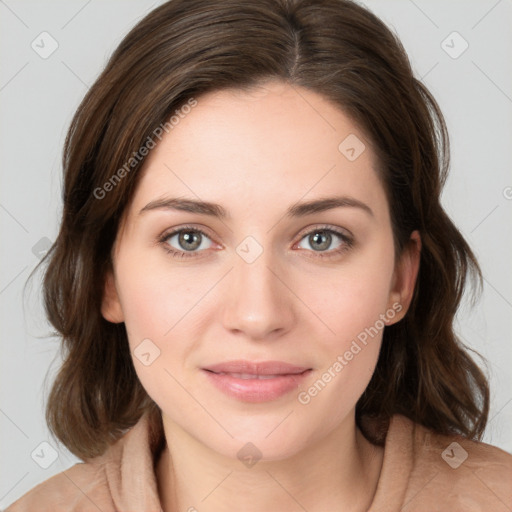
185 48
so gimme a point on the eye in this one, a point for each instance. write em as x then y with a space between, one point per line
321 239
187 240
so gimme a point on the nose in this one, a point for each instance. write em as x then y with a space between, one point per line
258 301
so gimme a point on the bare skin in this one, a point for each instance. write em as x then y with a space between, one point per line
256 155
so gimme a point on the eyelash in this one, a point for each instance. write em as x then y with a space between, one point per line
348 242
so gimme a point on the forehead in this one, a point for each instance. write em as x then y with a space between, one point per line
261 151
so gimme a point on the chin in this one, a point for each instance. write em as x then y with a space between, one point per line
271 438
250 451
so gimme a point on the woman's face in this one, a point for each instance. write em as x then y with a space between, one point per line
312 288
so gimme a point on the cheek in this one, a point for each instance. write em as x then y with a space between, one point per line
350 300
353 309
161 314
157 299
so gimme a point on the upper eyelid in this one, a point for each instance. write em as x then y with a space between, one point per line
319 227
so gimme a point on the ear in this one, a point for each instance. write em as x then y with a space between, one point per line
110 305
404 278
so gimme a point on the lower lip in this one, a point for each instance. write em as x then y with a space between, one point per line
257 390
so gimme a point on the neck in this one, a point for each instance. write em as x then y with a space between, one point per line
338 472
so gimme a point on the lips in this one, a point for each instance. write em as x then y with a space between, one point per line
250 369
248 375
249 381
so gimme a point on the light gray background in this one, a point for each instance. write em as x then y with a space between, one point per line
38 97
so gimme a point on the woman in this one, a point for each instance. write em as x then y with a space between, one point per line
255 281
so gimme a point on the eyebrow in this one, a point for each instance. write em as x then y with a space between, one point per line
216 210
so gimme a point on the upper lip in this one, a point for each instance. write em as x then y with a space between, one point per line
257 368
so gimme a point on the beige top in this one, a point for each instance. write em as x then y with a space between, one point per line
421 472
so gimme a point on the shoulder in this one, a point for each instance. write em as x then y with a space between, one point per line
80 488
122 478
452 472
